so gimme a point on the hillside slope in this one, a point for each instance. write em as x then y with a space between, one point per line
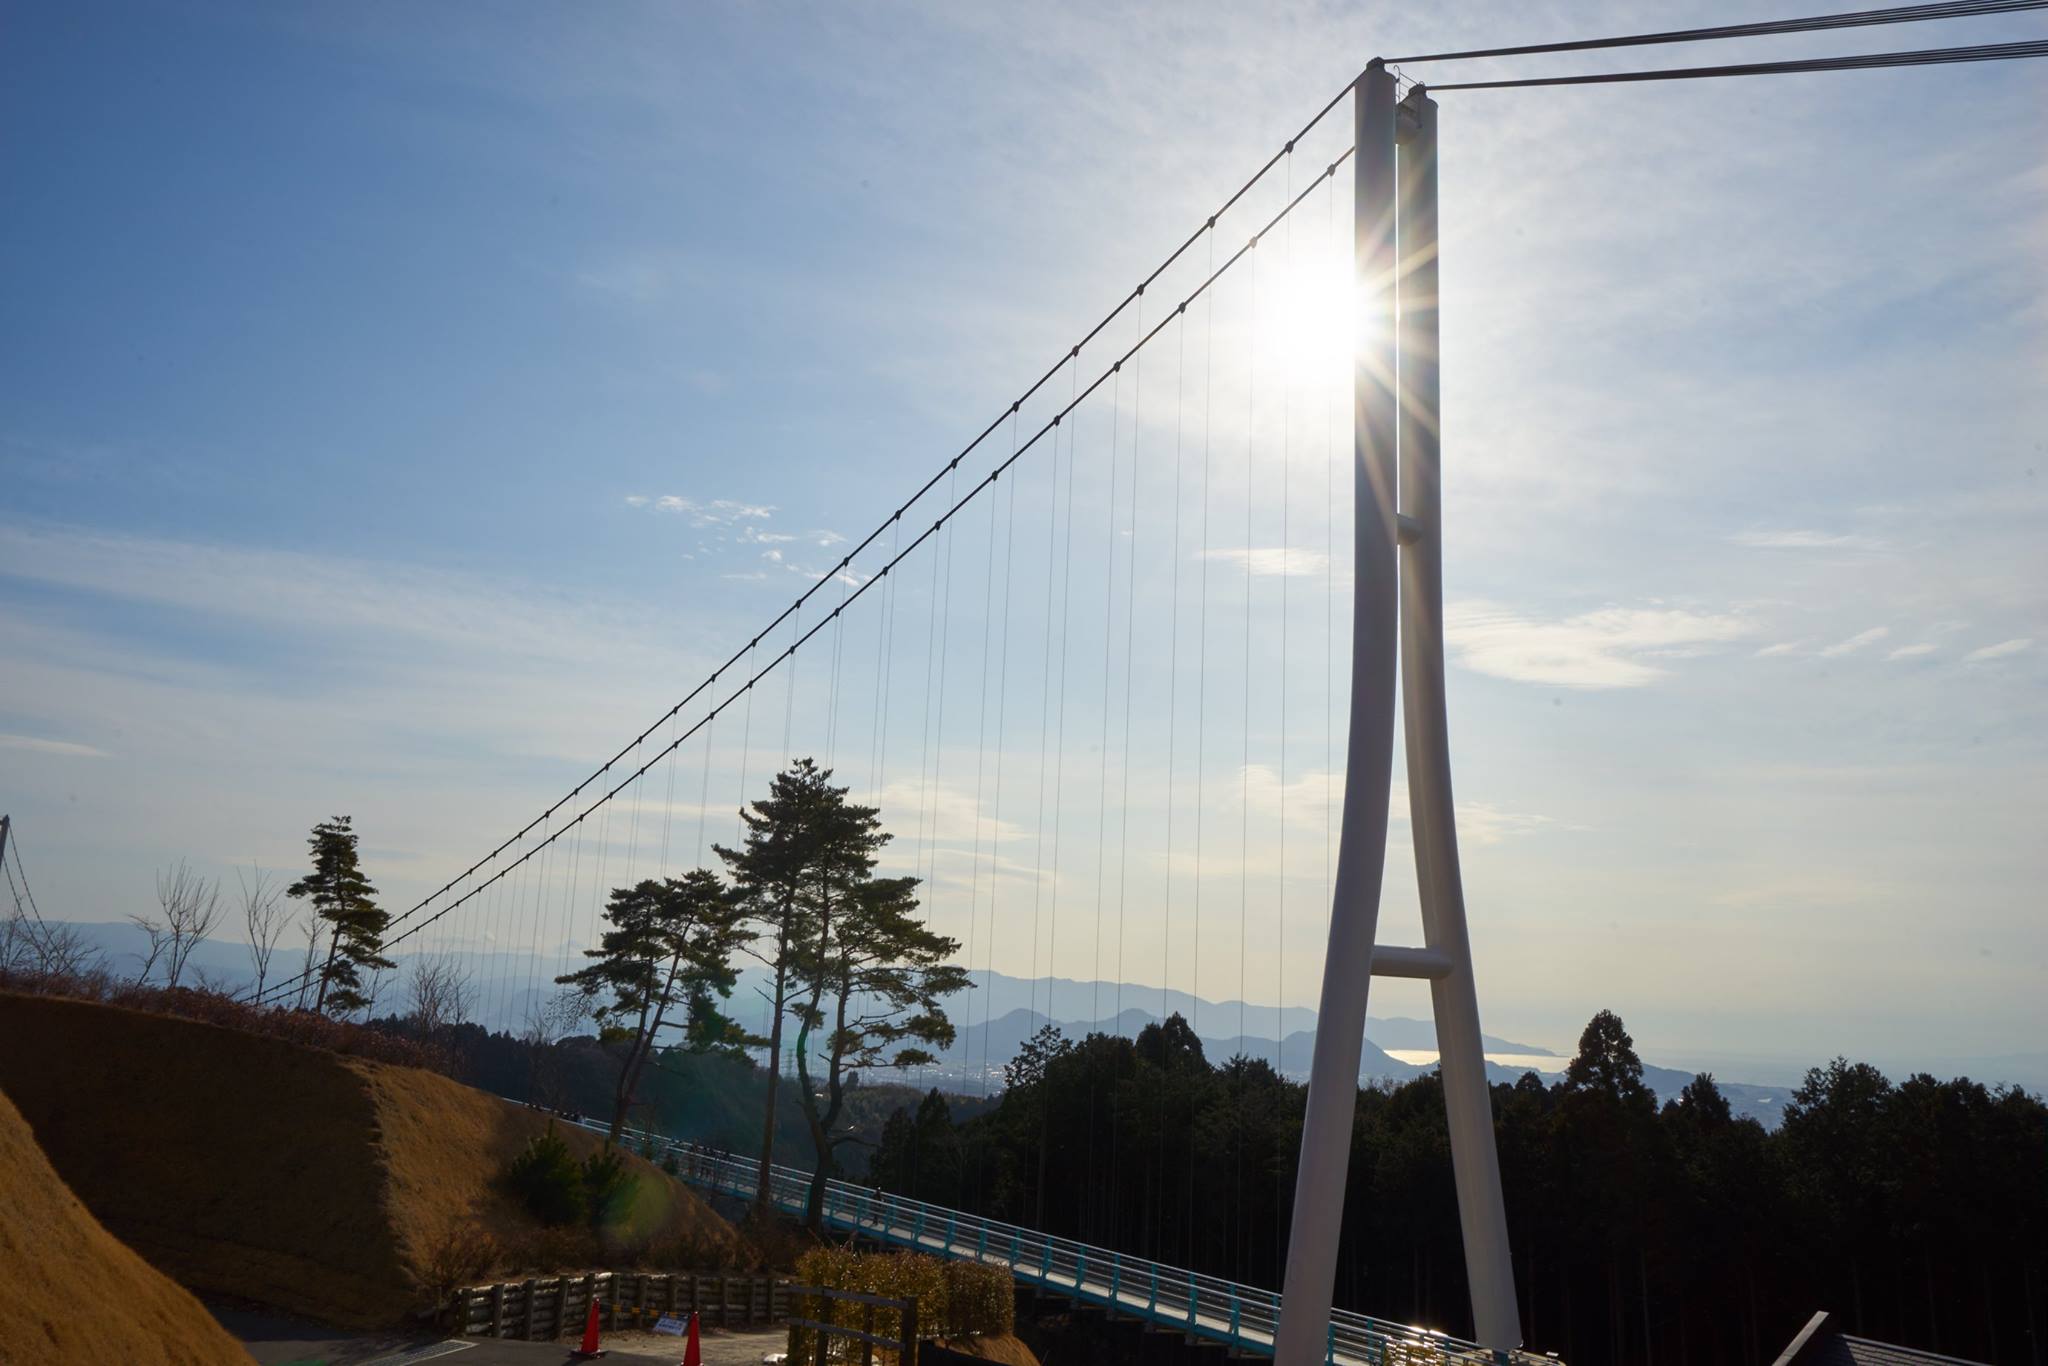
284 1174
73 1292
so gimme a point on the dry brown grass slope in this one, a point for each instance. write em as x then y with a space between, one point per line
279 1173
75 1294
1006 1348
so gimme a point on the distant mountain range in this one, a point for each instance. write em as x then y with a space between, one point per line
1001 1012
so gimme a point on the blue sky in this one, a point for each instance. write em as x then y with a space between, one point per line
348 355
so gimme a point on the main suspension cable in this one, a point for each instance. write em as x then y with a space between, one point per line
943 522
929 484
1933 56
1900 14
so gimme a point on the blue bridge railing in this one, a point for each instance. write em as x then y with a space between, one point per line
1237 1316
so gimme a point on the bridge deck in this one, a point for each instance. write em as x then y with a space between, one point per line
1239 1317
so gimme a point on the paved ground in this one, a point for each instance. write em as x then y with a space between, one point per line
277 1341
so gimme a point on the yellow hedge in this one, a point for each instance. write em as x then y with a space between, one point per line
954 1299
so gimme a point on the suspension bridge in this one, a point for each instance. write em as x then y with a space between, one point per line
1208 1309
1097 670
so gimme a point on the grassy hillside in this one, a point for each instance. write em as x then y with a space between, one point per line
334 1186
76 1294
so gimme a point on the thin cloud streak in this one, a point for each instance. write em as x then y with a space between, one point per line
1855 642
2005 649
1608 648
65 748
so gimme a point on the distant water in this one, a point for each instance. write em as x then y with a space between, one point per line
1521 1062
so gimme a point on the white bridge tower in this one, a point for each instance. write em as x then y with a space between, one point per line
1398 588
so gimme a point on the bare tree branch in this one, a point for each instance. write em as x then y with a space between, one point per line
440 993
191 906
263 917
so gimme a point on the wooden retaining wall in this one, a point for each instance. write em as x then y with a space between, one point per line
549 1307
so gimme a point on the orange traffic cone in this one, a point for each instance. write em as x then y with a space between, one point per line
589 1350
693 1355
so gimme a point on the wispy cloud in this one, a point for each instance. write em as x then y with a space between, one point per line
1805 540
1856 642
1273 562
2001 650
1609 648
1783 647
714 512
1912 651
37 745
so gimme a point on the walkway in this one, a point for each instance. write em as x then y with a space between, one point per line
1240 1317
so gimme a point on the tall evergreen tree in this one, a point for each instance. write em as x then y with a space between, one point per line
884 975
343 897
805 847
670 947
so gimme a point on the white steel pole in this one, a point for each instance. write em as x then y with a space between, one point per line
1303 1334
1475 1163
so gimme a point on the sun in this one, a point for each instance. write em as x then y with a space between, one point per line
1306 311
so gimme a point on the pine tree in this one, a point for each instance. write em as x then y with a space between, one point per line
342 897
671 944
805 845
884 975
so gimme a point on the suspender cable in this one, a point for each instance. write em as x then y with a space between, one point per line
1201 702
832 692
1052 528
988 588
1052 930
996 805
1097 1199
704 787
1123 856
1124 819
1102 769
924 723
739 822
1329 588
1280 897
540 886
789 694
1244 770
565 917
885 645
939 726
1240 1223
1180 333
668 806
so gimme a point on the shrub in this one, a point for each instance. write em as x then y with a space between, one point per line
979 1300
546 1180
607 1186
457 1259
954 1299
